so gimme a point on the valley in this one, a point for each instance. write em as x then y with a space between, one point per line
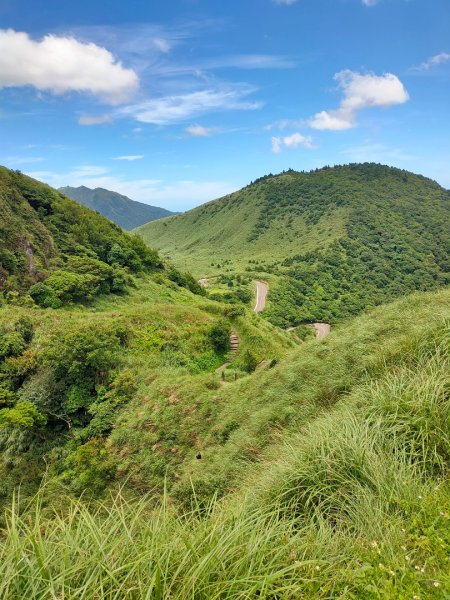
330 243
225 300
235 411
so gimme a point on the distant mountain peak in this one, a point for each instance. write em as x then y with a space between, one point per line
118 208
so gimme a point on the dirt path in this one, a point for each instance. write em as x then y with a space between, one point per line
261 294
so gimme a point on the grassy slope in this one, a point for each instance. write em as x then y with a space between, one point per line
335 241
219 231
40 229
167 354
338 461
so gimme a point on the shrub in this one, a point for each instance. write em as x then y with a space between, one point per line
219 335
249 361
22 415
11 344
70 287
44 296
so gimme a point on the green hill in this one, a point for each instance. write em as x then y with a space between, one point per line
45 237
88 317
168 464
119 209
333 242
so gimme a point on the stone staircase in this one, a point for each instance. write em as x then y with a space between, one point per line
234 342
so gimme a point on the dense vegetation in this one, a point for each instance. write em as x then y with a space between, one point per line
168 463
116 207
334 242
57 251
310 510
115 388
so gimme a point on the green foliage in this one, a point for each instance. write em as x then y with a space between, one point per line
352 505
89 468
219 334
44 296
121 390
249 361
22 415
11 344
186 280
49 240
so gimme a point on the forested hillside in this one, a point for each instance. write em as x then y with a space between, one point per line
57 251
116 207
335 241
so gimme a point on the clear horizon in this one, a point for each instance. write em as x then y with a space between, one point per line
178 104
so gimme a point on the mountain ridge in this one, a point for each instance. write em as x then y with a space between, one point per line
118 208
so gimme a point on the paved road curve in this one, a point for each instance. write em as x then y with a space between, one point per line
322 330
261 293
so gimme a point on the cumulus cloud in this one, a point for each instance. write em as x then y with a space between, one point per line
130 157
291 141
198 131
94 119
360 92
369 2
434 61
63 64
176 109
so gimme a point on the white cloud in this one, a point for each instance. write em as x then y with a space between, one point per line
13 161
162 45
336 120
176 109
94 119
249 61
88 171
285 124
287 2
434 61
291 141
198 131
360 91
370 2
177 195
63 64
377 152
276 144
130 157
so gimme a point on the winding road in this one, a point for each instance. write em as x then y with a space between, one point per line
261 294
322 330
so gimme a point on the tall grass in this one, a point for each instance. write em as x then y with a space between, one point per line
353 507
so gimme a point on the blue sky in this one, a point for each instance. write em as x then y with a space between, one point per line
178 102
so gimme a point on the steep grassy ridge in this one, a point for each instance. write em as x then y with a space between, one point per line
116 207
339 240
339 482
